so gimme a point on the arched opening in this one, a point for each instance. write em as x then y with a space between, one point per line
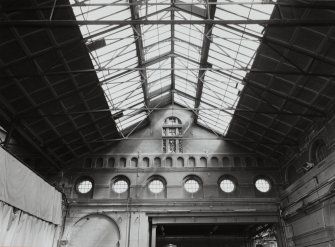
237 162
134 162
191 162
123 162
99 163
157 162
214 162
203 162
94 230
172 133
180 162
146 162
111 162
168 162
225 161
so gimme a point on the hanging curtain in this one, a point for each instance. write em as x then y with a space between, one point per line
19 229
30 209
23 189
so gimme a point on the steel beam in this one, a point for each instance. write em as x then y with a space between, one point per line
285 45
32 116
255 71
274 131
283 96
134 10
74 23
206 41
173 77
296 4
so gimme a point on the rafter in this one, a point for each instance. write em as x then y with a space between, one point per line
173 78
73 23
204 56
139 50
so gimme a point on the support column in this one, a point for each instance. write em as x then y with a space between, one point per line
279 236
153 235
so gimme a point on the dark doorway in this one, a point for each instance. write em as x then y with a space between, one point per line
215 235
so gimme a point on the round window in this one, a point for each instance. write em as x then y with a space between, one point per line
84 186
120 186
262 185
192 186
156 186
227 185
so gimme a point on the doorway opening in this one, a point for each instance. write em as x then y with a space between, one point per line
216 235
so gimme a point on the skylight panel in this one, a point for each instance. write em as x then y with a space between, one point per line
158 50
185 86
130 120
122 94
156 38
160 97
159 69
186 76
198 3
187 51
232 51
232 12
149 9
159 84
214 119
159 75
183 101
123 89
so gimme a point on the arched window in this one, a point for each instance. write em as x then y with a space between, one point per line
123 162
318 151
156 186
263 185
227 185
111 162
168 162
172 134
180 162
237 162
120 185
146 162
192 185
225 161
99 163
191 162
84 187
157 162
134 162
214 162
203 162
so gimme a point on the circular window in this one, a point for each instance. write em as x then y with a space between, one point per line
227 185
191 186
120 186
156 186
262 185
84 186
